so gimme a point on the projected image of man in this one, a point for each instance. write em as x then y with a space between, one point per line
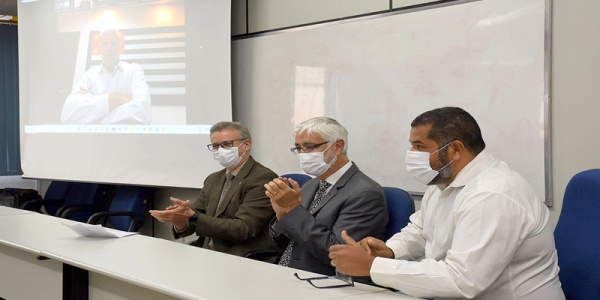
115 92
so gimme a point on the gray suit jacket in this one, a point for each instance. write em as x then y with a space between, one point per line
355 203
241 223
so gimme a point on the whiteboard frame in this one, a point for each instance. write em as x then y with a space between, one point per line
549 200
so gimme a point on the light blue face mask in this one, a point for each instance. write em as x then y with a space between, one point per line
419 168
314 163
228 158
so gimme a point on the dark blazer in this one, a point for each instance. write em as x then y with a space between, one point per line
241 222
355 203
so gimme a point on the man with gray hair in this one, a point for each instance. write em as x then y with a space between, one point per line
341 197
231 213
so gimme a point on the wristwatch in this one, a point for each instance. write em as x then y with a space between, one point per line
194 218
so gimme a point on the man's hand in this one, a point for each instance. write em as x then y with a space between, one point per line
178 213
351 258
83 90
283 198
376 247
117 99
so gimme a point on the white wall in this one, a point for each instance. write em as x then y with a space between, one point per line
575 91
273 14
18 182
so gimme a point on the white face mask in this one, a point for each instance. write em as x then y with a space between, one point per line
314 163
228 158
418 167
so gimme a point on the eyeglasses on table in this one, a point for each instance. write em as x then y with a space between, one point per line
328 282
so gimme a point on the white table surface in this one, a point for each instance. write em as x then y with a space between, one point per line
386 295
27 231
7 211
164 266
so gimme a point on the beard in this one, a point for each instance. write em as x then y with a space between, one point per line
445 169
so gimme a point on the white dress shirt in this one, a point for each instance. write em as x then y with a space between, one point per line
92 107
333 178
485 236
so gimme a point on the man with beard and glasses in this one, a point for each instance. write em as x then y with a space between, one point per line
481 232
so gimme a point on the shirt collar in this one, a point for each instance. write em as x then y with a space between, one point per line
333 178
472 169
237 170
117 68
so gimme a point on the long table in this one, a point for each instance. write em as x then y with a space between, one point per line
6 211
35 247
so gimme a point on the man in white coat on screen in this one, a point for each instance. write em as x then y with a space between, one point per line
114 92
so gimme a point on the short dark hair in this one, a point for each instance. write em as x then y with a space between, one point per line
244 132
450 124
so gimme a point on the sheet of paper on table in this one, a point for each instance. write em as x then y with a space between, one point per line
90 230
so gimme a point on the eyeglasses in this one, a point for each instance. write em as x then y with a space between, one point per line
226 145
328 282
307 149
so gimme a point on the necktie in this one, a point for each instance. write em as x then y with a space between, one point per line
287 253
228 179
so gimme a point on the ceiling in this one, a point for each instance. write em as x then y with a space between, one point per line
8 7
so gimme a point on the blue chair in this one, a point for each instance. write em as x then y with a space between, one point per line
577 236
83 196
400 206
126 210
300 178
53 199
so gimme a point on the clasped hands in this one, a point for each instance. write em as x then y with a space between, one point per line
355 258
115 99
283 197
178 213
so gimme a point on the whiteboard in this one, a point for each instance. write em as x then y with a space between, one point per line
375 75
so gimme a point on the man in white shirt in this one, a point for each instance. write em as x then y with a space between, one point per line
115 92
481 232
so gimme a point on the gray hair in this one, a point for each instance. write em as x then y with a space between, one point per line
328 128
244 132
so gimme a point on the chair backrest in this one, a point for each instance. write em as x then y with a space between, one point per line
84 194
400 206
300 178
577 236
57 190
130 199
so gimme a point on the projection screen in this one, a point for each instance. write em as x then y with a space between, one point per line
122 91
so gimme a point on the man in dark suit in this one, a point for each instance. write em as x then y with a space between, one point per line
231 213
341 197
